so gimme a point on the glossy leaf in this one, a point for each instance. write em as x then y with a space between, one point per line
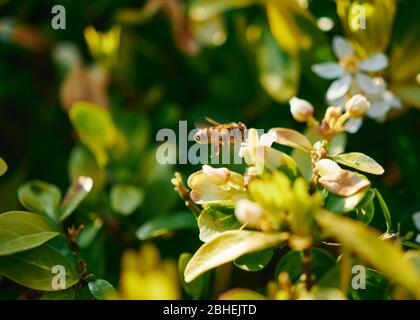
292 138
125 198
360 162
164 224
20 231
383 255
40 197
101 289
229 246
215 220
33 268
255 261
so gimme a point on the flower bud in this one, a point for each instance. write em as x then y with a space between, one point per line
249 212
301 109
357 106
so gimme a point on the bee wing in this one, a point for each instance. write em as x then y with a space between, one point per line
213 122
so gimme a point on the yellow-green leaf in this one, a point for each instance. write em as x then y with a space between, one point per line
95 128
3 167
20 231
204 9
383 255
229 246
360 162
292 138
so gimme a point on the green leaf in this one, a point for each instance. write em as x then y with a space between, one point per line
255 261
292 138
95 128
67 294
101 289
344 204
76 193
215 220
227 247
40 197
383 255
241 294
20 231
278 71
205 9
33 268
385 210
88 234
167 223
3 167
365 212
360 162
125 198
291 262
196 288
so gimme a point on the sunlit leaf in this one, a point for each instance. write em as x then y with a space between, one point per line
76 193
215 220
20 231
292 138
229 246
360 162
383 255
95 128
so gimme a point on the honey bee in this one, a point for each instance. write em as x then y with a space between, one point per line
221 133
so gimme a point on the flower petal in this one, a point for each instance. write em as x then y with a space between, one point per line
328 70
339 88
353 125
374 63
342 47
367 84
392 99
326 166
378 110
267 139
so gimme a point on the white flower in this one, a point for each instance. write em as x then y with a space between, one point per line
357 106
248 212
349 71
301 109
381 104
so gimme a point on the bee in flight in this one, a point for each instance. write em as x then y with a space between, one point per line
221 133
